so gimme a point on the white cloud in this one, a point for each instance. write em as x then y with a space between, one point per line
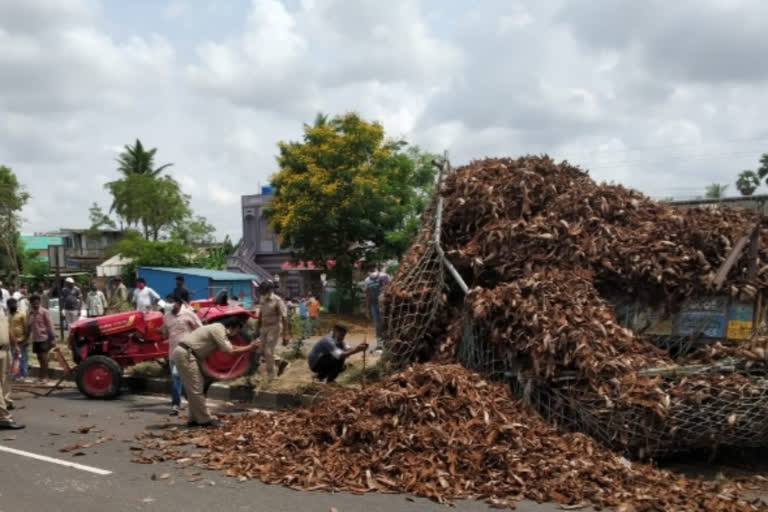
665 104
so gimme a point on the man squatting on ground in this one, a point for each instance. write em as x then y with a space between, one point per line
179 320
327 357
196 346
7 346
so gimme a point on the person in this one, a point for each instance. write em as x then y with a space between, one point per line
22 302
4 296
196 346
179 320
327 357
180 291
45 295
306 329
8 349
95 302
72 300
374 283
118 301
40 332
272 321
17 325
313 309
144 296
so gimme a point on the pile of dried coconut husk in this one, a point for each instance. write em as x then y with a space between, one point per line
439 432
538 241
541 247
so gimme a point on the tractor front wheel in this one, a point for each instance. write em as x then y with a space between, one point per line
99 377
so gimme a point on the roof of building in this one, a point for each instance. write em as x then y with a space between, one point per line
729 201
116 260
38 242
216 275
87 230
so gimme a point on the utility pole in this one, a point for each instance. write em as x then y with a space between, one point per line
57 260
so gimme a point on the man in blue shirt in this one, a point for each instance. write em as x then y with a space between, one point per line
326 359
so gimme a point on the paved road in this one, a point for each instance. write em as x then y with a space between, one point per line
30 484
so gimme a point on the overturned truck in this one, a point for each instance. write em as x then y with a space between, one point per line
630 320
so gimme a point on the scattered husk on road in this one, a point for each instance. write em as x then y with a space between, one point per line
441 432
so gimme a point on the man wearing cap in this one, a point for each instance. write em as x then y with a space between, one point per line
180 292
7 347
327 357
195 347
118 301
273 320
72 300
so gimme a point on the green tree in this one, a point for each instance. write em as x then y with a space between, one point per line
195 231
151 253
154 204
135 160
715 191
99 219
345 192
33 267
13 197
747 182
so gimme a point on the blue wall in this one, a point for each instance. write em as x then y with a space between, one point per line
164 282
234 288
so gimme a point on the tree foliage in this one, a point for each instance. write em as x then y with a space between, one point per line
13 197
747 182
346 192
715 191
151 253
135 160
154 204
99 219
194 231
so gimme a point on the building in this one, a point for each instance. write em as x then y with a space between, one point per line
85 249
39 243
203 283
758 203
260 252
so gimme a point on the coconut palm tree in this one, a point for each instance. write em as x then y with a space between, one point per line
715 191
747 182
136 160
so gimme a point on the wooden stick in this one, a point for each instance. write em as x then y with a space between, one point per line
365 341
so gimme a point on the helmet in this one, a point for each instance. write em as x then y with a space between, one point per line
266 286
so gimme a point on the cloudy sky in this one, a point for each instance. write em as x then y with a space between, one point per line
666 97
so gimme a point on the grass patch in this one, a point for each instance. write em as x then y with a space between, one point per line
354 375
148 369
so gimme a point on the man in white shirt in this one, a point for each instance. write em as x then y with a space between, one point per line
4 296
144 296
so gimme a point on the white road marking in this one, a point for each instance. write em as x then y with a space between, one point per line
81 467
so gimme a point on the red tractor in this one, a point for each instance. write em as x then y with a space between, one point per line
103 347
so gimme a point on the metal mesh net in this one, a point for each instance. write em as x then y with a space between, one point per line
413 305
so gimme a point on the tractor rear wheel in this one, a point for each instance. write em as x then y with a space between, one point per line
99 377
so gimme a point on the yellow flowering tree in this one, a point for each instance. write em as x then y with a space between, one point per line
346 192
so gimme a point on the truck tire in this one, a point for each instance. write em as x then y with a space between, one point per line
99 377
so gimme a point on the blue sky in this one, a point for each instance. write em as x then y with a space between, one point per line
661 97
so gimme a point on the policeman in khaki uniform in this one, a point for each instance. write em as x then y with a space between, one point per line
7 347
273 319
196 346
